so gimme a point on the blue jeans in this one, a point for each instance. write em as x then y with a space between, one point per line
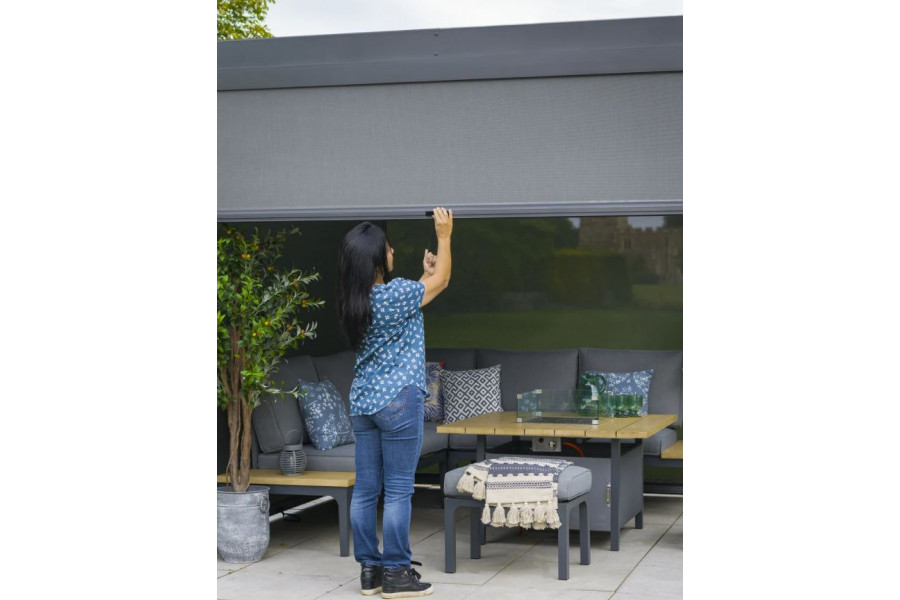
387 452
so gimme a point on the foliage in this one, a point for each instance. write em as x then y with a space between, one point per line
258 305
495 261
242 19
552 328
584 277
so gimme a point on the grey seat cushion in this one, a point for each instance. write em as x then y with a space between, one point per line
433 441
339 458
343 458
658 442
573 481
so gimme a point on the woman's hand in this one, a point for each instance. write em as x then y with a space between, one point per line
428 263
443 222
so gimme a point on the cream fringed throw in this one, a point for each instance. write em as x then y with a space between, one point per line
527 487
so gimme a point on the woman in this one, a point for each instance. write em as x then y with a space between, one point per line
383 321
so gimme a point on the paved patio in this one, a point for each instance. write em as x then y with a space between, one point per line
303 562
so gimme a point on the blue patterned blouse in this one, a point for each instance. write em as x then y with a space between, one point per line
392 353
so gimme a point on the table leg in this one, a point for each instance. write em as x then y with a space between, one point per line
615 452
639 517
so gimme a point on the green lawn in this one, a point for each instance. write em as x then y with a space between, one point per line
625 328
663 295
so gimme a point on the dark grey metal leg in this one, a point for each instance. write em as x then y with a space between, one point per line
584 533
562 550
639 517
343 497
480 451
615 451
475 533
450 507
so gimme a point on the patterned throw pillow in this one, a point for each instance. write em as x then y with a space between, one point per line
434 403
635 382
470 393
324 415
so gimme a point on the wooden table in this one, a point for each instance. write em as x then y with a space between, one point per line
631 430
337 484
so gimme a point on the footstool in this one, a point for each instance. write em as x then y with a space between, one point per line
573 488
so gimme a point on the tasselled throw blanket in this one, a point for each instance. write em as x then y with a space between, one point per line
522 491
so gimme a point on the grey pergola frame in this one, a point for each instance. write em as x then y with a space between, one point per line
582 48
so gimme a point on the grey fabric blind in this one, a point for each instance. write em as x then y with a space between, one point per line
568 146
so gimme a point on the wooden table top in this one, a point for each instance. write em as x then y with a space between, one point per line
320 478
504 423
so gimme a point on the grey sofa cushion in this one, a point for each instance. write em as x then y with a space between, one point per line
343 458
277 421
665 387
269 460
338 368
454 359
660 441
573 481
432 441
293 368
339 458
526 370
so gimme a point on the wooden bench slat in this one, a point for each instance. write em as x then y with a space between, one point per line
673 452
319 478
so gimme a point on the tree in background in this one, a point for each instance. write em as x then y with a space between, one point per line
242 19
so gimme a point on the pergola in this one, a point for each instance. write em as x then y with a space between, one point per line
553 119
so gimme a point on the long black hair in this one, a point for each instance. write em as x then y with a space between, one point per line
363 253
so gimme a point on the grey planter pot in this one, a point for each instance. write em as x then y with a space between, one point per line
243 523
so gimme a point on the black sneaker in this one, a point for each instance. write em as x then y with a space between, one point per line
404 582
370 579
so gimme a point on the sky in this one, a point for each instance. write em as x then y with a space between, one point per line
308 17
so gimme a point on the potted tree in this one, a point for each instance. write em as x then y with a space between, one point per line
258 310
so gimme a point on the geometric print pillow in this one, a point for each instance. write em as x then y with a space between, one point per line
434 403
324 415
470 393
635 382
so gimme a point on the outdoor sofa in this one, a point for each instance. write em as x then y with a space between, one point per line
520 371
